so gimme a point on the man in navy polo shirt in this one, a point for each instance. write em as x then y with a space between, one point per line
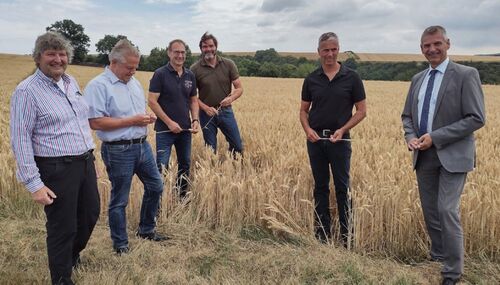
328 96
172 97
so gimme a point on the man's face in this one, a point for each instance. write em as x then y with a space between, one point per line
208 49
435 48
177 54
328 51
125 70
53 63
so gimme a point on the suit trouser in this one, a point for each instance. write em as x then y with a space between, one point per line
440 192
73 214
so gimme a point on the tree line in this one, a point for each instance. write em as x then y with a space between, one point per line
264 63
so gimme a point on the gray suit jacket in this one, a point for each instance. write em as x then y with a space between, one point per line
459 112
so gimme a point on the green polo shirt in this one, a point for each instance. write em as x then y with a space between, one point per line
214 83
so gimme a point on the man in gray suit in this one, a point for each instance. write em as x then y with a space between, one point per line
444 107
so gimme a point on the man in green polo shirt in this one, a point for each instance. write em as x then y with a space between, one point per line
215 78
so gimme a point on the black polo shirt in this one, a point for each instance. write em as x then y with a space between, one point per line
332 101
175 93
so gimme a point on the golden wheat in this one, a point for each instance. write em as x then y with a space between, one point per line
272 186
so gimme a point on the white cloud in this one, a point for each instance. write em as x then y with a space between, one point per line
244 25
281 5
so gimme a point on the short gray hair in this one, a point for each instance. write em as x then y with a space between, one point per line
52 40
123 48
327 36
432 30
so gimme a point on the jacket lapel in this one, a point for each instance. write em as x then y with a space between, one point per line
448 75
415 91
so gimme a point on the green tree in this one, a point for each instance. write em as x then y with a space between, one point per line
268 55
269 69
156 58
75 34
190 59
105 45
287 70
304 69
250 66
351 63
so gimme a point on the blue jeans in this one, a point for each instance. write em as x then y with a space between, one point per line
226 122
182 143
324 155
122 162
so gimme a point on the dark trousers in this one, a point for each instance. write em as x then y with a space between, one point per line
323 156
73 214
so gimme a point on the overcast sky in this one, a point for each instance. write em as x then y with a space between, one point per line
376 26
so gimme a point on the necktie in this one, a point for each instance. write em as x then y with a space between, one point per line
424 116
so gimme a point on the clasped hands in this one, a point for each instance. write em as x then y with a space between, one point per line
422 143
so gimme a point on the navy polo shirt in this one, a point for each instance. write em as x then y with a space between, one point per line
332 101
175 94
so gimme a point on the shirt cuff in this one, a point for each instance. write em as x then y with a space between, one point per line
35 185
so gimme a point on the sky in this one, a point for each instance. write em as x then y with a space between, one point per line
363 26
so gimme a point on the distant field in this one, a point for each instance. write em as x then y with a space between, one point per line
380 57
387 57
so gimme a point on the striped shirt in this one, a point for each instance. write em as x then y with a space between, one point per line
48 122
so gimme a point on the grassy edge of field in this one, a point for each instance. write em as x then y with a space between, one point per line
199 254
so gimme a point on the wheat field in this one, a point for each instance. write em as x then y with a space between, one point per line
270 192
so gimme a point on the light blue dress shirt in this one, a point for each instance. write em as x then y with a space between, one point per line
438 78
107 96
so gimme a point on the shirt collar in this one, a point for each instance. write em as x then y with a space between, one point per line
442 66
342 70
217 58
47 79
111 76
171 68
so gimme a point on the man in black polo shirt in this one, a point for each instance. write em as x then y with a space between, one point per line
172 97
328 96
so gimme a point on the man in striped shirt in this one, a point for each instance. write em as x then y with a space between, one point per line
52 144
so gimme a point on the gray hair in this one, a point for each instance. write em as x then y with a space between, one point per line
432 30
123 48
52 40
327 36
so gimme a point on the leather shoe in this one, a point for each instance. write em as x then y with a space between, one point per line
433 259
154 236
65 281
449 281
76 262
122 250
